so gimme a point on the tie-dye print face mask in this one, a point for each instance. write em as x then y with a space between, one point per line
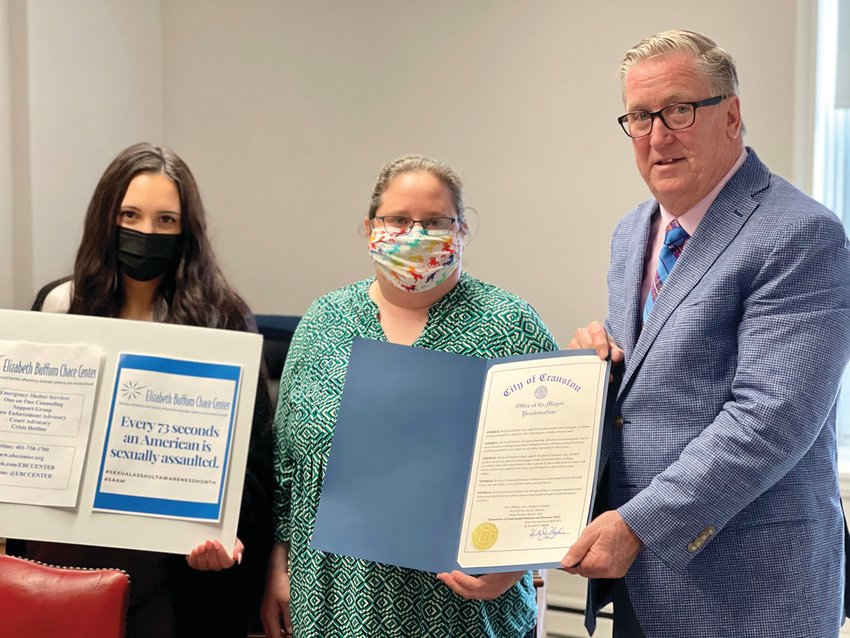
415 262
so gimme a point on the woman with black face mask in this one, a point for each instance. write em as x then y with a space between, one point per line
145 255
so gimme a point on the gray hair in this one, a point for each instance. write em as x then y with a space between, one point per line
413 164
715 63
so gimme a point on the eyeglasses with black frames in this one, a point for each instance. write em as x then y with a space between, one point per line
675 117
435 226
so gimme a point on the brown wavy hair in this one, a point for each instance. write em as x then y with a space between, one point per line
194 292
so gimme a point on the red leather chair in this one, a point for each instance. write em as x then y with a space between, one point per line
38 600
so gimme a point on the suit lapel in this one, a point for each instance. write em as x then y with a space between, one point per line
634 277
721 224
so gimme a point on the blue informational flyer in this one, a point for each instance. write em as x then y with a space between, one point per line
168 438
441 461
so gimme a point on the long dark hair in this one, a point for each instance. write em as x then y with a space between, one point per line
195 292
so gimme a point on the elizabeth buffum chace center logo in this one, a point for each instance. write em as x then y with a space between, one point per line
132 390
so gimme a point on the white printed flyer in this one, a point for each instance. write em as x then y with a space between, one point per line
47 396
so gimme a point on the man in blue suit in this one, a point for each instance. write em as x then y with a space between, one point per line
729 317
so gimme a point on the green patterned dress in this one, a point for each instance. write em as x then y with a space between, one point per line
340 597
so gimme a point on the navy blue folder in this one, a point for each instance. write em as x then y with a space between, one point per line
400 459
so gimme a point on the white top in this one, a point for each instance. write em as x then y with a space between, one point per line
59 299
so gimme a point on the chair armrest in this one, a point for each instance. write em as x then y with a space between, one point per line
44 600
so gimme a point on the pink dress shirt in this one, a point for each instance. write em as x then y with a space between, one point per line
689 220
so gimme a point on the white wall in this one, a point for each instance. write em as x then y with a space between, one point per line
6 240
286 110
86 81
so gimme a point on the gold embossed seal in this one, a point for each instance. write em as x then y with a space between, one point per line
484 536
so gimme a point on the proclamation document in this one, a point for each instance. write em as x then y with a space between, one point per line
462 463
47 396
533 467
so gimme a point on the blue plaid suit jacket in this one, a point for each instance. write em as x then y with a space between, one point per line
721 438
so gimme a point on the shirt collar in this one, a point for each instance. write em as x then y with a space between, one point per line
690 219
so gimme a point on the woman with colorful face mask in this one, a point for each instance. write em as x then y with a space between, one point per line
145 255
419 296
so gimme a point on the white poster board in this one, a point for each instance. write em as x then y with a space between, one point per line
163 465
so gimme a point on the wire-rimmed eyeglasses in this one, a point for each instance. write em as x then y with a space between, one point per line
398 225
674 116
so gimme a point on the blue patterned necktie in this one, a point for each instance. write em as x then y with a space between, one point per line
674 241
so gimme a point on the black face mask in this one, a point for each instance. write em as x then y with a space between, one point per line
146 256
